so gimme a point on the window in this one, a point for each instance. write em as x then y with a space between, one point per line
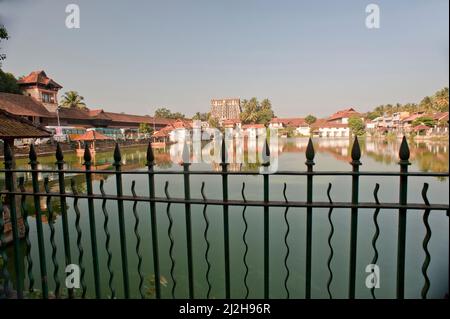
48 97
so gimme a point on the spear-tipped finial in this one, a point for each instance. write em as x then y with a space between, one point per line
404 151
32 155
185 154
59 153
356 152
310 153
8 153
223 151
150 156
87 153
117 155
266 153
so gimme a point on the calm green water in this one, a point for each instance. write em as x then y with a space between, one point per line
330 155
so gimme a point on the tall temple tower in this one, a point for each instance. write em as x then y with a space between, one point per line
226 109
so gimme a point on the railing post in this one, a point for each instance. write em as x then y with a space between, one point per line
151 183
403 197
266 164
356 155
309 199
187 196
226 231
40 233
10 186
65 224
123 240
88 166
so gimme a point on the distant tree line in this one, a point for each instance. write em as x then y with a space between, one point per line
165 113
438 102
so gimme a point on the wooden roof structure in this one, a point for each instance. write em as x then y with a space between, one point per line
12 127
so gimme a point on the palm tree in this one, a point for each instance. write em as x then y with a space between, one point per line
72 99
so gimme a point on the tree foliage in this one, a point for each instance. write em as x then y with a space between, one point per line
356 125
424 120
145 128
201 116
213 122
3 36
72 99
438 102
310 119
165 113
255 112
8 83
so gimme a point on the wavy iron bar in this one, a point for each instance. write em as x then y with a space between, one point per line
205 236
330 237
52 239
108 240
138 241
79 235
244 239
27 235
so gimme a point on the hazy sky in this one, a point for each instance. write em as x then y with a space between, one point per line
306 56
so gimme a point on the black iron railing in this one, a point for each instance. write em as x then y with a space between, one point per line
16 191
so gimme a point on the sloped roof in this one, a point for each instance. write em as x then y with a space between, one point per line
12 126
91 136
38 77
440 116
128 118
22 105
74 113
343 113
421 128
294 121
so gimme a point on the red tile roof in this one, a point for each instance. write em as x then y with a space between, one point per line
442 116
22 105
421 128
295 121
74 113
38 77
343 113
246 126
12 126
128 118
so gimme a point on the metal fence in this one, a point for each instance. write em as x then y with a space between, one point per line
16 193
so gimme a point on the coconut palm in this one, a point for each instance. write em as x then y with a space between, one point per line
72 99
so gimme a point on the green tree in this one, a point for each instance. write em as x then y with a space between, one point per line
8 83
213 122
424 120
255 112
72 99
356 125
426 104
3 36
440 100
310 119
165 113
145 128
201 116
